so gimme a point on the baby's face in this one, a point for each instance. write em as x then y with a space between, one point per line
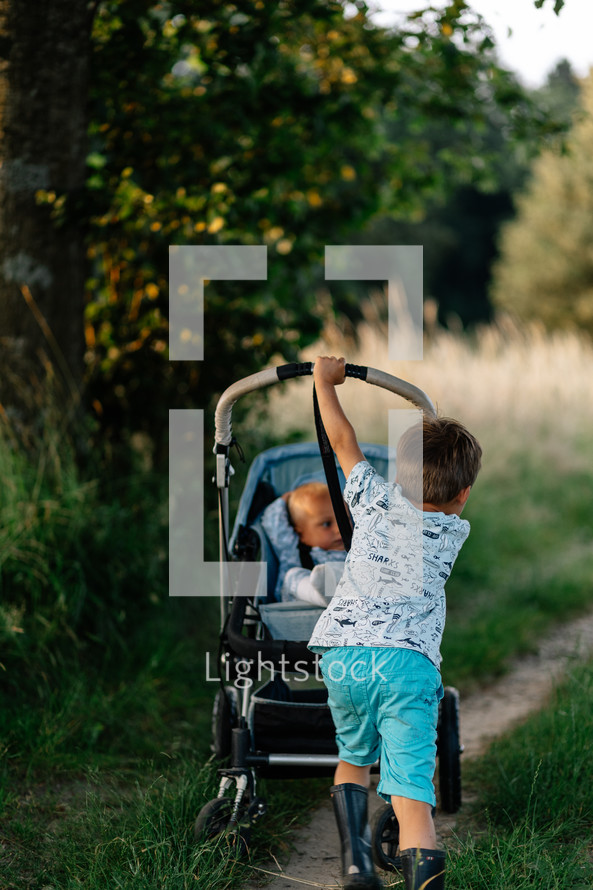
318 527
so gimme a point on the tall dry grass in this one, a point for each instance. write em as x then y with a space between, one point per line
518 389
527 396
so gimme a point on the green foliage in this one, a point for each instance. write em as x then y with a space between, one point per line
560 95
285 124
558 4
458 238
81 561
546 265
459 230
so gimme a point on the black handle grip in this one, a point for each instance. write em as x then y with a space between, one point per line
305 369
294 369
358 371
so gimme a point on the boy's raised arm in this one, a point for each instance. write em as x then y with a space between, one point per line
328 373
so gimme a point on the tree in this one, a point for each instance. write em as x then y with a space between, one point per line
286 123
545 270
44 56
278 123
560 94
459 232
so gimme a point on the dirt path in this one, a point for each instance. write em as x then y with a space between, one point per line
484 715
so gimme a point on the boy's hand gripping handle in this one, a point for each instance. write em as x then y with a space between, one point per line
270 376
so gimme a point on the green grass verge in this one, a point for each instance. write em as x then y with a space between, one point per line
535 801
526 565
131 827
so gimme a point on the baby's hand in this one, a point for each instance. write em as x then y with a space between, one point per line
329 369
325 577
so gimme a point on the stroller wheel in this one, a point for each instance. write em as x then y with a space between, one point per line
214 820
386 840
225 711
449 751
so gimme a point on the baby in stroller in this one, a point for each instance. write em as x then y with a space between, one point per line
303 531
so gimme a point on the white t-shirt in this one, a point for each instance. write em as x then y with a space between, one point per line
392 592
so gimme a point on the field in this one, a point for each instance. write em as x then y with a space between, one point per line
522 391
527 398
104 712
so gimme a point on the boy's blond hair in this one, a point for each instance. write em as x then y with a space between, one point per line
443 454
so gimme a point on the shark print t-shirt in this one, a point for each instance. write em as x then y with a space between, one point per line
392 591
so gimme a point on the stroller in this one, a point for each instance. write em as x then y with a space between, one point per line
280 726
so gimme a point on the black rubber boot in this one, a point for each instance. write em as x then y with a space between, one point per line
423 869
350 809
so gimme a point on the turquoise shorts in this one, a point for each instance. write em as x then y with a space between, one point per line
385 703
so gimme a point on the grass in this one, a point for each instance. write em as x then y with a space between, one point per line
129 827
522 569
104 701
105 707
100 830
544 767
518 389
534 813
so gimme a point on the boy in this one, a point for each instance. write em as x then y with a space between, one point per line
303 521
380 635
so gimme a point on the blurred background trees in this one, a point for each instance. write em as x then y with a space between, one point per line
545 270
288 124
460 232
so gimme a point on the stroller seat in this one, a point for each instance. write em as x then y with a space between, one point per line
293 620
272 473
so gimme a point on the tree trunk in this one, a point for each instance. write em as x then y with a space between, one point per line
44 60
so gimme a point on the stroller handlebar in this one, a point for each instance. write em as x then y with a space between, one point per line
400 387
269 376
